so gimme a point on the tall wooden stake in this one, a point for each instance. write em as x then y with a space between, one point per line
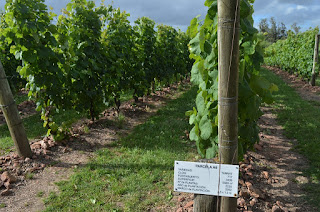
315 60
205 203
11 114
228 45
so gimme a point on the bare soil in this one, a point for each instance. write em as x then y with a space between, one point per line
306 91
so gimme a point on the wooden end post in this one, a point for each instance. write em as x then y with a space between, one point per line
315 61
11 114
205 203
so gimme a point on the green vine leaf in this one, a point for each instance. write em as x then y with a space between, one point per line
205 127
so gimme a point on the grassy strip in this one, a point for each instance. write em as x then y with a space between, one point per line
301 121
34 125
34 128
19 98
136 173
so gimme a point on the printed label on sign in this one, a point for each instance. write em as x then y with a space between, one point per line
203 178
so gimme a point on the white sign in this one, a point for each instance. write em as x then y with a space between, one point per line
203 178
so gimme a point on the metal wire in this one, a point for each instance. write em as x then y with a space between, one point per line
8 77
5 106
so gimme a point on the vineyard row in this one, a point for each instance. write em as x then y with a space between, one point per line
294 54
88 58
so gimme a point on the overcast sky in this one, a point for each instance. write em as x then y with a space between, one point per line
179 13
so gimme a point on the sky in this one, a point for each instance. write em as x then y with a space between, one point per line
178 13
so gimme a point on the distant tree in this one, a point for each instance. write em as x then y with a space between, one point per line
264 25
295 28
274 30
282 31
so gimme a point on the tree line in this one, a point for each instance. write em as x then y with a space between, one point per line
275 31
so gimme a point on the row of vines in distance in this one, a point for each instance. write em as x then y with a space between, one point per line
89 57
294 54
253 88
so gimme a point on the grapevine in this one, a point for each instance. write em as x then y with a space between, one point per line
146 40
253 89
80 33
295 54
89 58
29 28
119 38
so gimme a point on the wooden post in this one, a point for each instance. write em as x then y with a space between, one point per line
205 203
228 60
11 114
315 60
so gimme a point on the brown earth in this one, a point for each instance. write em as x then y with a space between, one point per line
306 91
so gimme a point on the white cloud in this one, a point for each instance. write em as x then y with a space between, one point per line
290 10
293 9
301 7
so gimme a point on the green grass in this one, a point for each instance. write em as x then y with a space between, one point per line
29 175
136 173
301 121
34 125
318 80
19 98
40 194
34 128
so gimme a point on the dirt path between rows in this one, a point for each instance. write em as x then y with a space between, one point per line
306 91
52 163
271 176
274 170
